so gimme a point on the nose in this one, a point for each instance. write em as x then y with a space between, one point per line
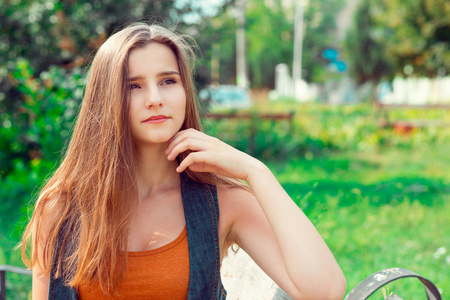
154 98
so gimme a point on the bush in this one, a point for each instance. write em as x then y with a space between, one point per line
33 137
319 129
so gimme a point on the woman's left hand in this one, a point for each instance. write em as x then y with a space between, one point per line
210 154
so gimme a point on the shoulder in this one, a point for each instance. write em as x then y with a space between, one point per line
232 199
238 208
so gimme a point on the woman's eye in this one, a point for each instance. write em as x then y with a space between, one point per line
134 86
169 81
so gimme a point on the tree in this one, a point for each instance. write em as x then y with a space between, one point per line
216 39
415 33
269 34
319 33
42 34
365 54
412 33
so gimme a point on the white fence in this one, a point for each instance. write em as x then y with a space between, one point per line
415 91
412 91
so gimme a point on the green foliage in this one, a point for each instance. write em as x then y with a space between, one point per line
41 124
415 33
319 34
269 34
269 30
38 98
365 54
33 138
394 34
57 32
216 38
378 209
67 33
317 130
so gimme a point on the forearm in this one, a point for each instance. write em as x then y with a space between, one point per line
309 262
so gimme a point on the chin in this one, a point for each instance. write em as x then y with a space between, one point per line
151 141
152 137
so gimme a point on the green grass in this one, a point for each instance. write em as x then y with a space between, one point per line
380 200
379 210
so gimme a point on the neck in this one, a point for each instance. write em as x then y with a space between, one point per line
154 172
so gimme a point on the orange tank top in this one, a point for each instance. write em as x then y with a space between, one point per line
156 274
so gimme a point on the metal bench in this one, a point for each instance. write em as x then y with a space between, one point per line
241 276
243 279
11 269
372 283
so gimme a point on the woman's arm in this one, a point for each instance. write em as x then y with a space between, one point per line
268 226
40 281
283 242
40 284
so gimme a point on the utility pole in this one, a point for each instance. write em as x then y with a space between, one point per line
241 69
298 47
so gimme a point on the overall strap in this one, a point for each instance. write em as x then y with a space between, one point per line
57 289
201 209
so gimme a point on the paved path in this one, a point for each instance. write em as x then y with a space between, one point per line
244 280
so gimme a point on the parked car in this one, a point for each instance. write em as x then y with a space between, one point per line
224 96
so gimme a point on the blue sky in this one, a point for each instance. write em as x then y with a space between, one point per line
208 7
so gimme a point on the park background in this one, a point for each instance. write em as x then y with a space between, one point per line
377 190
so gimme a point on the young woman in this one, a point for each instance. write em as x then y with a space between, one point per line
145 205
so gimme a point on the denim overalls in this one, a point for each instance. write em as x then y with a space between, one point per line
201 211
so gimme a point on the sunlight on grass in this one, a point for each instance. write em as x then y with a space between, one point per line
379 211
380 200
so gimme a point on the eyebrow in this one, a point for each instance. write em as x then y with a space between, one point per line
166 73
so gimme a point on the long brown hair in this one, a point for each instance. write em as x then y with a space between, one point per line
92 192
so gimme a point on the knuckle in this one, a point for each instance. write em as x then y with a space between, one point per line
197 157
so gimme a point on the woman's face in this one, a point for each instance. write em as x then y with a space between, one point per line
158 99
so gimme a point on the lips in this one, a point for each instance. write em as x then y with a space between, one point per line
157 119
